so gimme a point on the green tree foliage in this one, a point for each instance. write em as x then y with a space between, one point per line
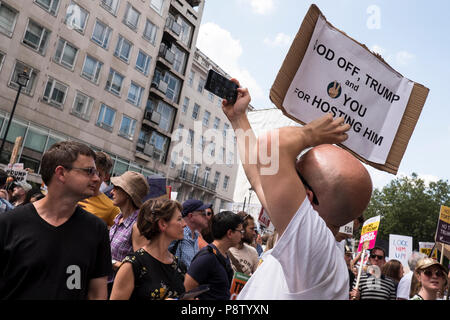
409 207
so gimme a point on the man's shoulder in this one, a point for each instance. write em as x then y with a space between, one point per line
18 213
88 218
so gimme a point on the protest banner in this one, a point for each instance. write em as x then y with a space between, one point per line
369 232
238 282
400 248
426 247
443 227
264 218
325 71
17 172
347 229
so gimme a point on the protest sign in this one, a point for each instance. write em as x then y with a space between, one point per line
426 247
325 71
443 228
369 232
400 248
347 229
17 171
238 282
264 218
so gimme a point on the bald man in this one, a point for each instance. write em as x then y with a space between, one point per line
307 201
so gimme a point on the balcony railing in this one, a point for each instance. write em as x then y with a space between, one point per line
196 179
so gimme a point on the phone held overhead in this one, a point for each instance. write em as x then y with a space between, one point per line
221 86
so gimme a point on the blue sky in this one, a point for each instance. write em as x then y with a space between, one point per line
249 39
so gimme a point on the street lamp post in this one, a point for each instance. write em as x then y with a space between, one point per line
22 81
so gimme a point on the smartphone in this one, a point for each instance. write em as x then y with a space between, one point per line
221 86
194 292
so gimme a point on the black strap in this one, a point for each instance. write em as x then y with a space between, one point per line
211 250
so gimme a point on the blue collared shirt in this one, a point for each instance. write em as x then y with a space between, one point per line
5 205
188 247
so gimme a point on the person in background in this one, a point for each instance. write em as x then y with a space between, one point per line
20 195
35 196
404 286
52 249
258 243
152 272
394 270
99 204
205 236
432 277
129 190
5 205
348 256
211 266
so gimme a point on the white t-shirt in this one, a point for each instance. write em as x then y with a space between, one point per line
306 263
404 286
247 257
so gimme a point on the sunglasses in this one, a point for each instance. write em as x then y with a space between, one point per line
437 273
373 256
242 231
91 171
307 186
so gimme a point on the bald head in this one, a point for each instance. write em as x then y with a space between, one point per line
340 182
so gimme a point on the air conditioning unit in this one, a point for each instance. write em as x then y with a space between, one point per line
176 28
155 117
162 86
149 149
148 115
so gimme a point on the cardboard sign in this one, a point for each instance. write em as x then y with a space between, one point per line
238 282
426 247
264 218
400 248
325 71
17 171
443 228
347 229
369 232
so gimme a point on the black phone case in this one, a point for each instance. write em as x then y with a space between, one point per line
221 86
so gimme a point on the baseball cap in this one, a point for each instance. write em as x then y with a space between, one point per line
192 205
24 185
428 262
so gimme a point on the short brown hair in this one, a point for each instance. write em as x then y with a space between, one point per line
245 217
151 212
63 153
103 161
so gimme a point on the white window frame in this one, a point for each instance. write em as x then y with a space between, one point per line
100 122
106 34
157 5
126 17
2 59
185 104
201 84
139 98
109 8
72 25
60 60
54 86
148 60
131 129
119 47
98 66
206 118
9 32
226 182
109 83
86 110
152 37
45 36
50 9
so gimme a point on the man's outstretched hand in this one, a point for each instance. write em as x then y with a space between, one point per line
236 110
326 130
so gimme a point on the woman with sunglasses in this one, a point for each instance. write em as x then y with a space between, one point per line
432 277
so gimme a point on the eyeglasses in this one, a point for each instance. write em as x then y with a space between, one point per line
430 273
242 231
307 186
91 171
208 213
373 256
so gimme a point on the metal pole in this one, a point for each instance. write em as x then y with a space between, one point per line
10 119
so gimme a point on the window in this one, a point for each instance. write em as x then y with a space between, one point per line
127 127
201 144
195 111
216 179
91 69
206 117
167 115
186 31
55 93
101 34
123 49
66 53
180 59
157 5
36 37
173 86
49 5
201 85
210 96
161 144
179 132
8 18
111 5
150 31
131 17
190 140
135 94
82 106
106 117
2 59
76 17
191 78
32 73
230 159
226 181
216 123
212 149
185 104
220 155
143 62
114 82
206 176
226 127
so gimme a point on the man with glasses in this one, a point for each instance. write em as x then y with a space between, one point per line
195 217
306 262
99 204
53 249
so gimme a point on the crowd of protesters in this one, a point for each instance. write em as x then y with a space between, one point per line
77 243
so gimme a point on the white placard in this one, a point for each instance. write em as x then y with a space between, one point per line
339 76
400 248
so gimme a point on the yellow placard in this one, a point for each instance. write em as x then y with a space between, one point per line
444 214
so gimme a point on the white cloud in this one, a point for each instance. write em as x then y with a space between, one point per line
220 46
262 7
280 40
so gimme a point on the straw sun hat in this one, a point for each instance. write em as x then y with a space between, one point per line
134 184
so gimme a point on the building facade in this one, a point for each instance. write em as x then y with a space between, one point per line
109 73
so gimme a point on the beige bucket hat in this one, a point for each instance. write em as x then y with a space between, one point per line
134 184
